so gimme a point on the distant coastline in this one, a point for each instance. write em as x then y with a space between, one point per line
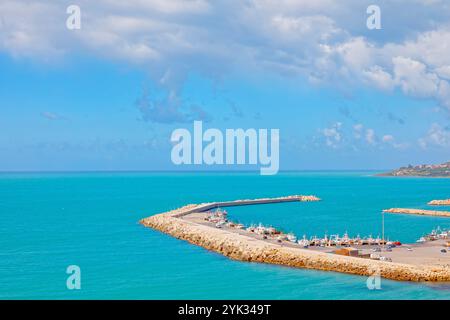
423 170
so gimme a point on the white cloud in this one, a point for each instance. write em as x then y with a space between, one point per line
358 128
370 136
377 76
387 138
359 131
333 135
414 79
322 40
437 136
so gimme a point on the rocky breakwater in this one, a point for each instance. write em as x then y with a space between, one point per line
419 212
244 248
445 202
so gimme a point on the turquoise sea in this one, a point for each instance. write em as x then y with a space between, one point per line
49 221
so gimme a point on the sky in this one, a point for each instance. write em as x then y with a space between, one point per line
108 96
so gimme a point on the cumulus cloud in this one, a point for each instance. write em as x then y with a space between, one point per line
437 136
370 136
336 136
387 138
390 140
169 109
358 128
359 132
333 135
319 40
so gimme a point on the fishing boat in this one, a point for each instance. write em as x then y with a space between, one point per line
291 237
383 258
303 242
220 224
262 230
421 240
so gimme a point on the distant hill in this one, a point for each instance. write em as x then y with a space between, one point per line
423 170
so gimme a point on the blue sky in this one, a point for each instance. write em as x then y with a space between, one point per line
108 96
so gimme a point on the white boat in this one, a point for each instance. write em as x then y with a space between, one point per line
291 237
421 240
442 235
374 256
261 229
304 242
220 224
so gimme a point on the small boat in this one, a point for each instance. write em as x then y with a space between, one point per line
291 237
304 242
220 224
374 256
421 240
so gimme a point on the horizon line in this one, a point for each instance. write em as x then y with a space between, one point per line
187 171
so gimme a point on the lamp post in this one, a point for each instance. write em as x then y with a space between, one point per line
382 229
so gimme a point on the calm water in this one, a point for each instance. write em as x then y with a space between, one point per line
50 221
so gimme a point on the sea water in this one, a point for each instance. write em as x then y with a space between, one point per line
49 221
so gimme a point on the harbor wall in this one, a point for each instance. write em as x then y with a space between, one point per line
244 248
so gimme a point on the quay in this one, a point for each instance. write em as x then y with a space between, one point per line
416 262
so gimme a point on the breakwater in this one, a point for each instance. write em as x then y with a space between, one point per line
445 202
244 248
223 204
419 212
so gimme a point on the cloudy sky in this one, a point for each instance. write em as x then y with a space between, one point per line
108 96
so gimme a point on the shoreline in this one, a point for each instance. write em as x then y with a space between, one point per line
246 248
409 176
